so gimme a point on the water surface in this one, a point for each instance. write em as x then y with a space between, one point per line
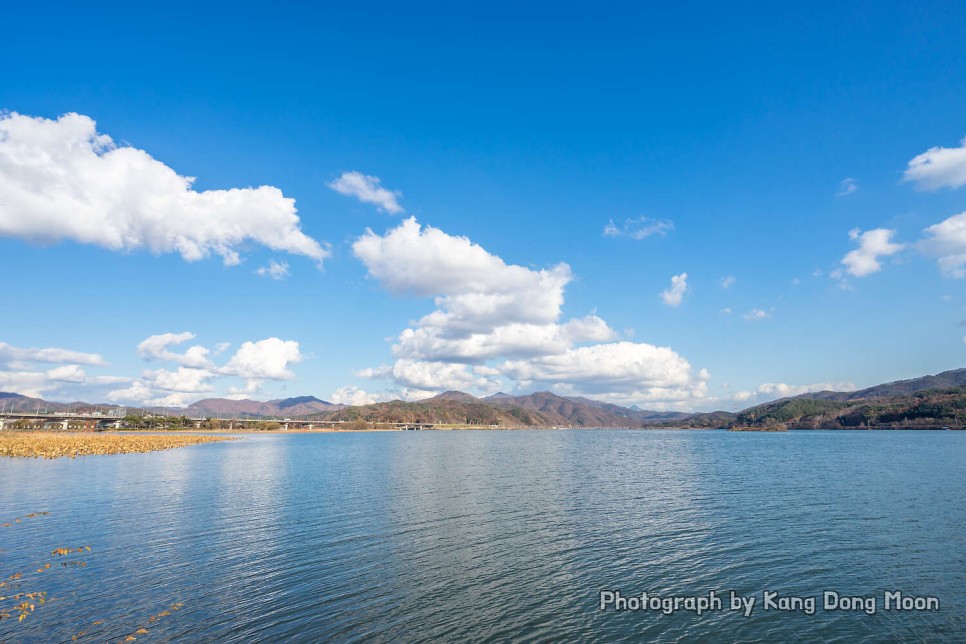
490 536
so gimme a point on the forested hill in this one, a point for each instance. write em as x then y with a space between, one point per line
945 380
929 409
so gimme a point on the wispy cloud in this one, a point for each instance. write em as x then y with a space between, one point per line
9 353
847 186
367 189
756 314
727 282
639 228
275 270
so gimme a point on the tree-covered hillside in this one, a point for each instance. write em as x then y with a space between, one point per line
932 409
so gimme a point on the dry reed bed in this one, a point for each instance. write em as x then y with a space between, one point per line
57 445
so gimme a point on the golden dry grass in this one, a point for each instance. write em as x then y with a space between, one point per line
57 445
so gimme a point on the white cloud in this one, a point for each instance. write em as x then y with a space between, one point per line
155 347
636 371
26 383
137 392
474 289
366 188
847 186
639 228
356 396
60 179
495 321
430 376
275 270
184 380
143 394
774 390
254 361
725 311
67 373
252 387
437 342
727 282
269 358
938 167
873 244
947 239
674 294
756 314
9 353
43 383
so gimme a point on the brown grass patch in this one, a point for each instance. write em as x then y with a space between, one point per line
57 445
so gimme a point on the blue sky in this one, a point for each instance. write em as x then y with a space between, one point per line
633 144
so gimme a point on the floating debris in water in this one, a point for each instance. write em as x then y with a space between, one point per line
32 515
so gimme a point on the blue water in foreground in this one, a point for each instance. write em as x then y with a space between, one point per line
492 536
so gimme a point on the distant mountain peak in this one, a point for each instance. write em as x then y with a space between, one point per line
459 396
285 403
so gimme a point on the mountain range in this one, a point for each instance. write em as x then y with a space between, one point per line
545 409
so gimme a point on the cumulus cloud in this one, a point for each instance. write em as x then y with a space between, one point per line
252 387
275 270
938 167
26 383
351 395
155 347
61 179
474 289
639 228
183 380
367 189
10 353
639 371
847 186
269 358
674 294
495 322
947 240
873 244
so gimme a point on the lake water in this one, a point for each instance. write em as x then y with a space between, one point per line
492 536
